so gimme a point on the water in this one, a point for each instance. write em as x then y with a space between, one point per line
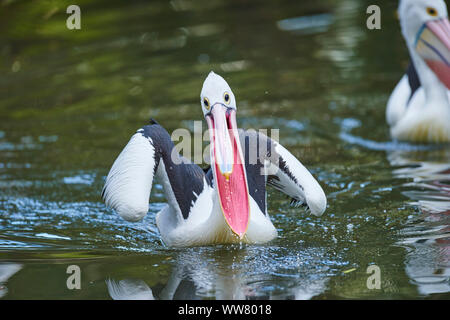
70 100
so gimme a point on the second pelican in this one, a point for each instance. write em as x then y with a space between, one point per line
419 108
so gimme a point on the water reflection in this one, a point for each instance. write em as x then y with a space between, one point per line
129 289
237 274
427 236
7 270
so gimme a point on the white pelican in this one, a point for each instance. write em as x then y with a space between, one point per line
224 204
419 109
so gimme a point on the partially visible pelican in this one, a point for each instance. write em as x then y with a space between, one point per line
224 204
419 108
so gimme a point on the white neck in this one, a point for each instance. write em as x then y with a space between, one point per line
435 91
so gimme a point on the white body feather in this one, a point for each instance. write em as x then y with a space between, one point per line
206 224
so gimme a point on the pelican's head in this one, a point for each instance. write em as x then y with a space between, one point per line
216 91
426 29
219 108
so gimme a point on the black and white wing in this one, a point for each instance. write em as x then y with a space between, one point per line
288 175
255 152
149 153
284 172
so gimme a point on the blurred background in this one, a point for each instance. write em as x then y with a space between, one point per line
71 99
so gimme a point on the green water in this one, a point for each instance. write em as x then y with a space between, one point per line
70 100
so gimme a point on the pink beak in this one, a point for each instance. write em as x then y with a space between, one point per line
228 168
433 45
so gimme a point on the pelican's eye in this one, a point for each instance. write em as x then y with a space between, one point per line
206 103
432 11
226 97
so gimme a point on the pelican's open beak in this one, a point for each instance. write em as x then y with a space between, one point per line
433 45
228 167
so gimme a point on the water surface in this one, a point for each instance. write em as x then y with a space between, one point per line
70 100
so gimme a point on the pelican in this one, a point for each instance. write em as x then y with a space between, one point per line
225 203
419 109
